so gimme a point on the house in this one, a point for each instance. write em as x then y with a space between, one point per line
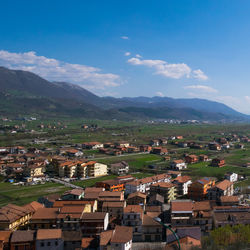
223 188
163 141
13 217
132 217
132 149
114 209
118 239
89 243
34 170
159 151
49 239
73 194
165 189
89 206
72 239
218 162
231 216
229 200
119 168
122 144
189 237
155 200
203 215
108 196
143 185
23 240
198 190
154 143
151 229
92 224
181 213
233 177
44 218
97 169
145 148
178 164
191 159
182 183
203 157
214 146
92 145
136 198
4 239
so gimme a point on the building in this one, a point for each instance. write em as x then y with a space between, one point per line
49 239
72 239
203 215
13 217
92 224
132 217
218 162
23 240
92 145
231 216
143 185
159 151
191 159
114 209
73 194
165 189
198 190
214 146
119 168
178 165
229 200
151 229
203 157
181 213
4 239
223 188
137 198
182 183
233 177
118 239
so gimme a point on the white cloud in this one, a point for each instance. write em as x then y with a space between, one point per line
199 74
127 54
174 70
203 88
138 56
55 70
124 37
159 94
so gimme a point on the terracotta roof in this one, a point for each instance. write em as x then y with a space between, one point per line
182 179
110 194
93 189
93 216
45 234
86 242
72 209
22 236
71 236
229 199
223 185
137 194
59 204
163 185
122 234
113 204
178 161
105 237
133 209
5 236
34 206
149 221
153 209
180 205
45 213
11 213
202 206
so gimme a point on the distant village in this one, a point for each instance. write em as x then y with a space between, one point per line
124 212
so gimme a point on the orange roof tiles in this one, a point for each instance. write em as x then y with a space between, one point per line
45 234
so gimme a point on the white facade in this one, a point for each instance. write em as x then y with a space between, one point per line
178 166
233 177
121 246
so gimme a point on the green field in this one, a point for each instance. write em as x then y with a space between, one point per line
21 195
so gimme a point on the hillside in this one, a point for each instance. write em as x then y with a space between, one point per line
25 93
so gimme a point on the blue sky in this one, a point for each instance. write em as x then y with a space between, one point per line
172 48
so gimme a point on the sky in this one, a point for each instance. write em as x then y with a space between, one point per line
174 48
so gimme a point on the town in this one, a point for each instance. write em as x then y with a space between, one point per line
175 191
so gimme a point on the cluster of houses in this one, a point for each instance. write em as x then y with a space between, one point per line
120 213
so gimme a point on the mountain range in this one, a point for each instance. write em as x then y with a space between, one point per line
25 93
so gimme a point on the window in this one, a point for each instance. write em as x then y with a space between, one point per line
56 243
48 244
42 244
